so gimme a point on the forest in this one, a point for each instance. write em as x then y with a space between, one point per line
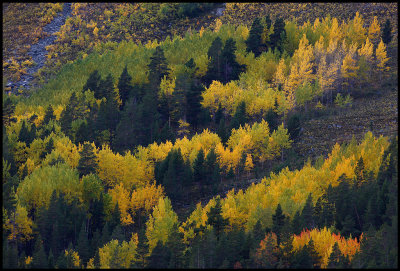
167 135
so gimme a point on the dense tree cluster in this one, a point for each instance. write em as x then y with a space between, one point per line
93 180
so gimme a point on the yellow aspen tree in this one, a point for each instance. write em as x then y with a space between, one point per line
279 77
356 31
365 52
160 223
121 196
335 33
349 68
248 166
374 31
319 49
381 57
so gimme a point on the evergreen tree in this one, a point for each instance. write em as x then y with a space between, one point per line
8 111
93 84
10 256
253 42
348 226
105 235
307 214
293 126
24 135
219 114
67 115
125 86
158 67
115 217
209 165
160 257
118 234
258 234
333 261
230 67
221 131
387 32
107 87
176 248
83 244
278 221
82 134
87 162
199 167
51 260
49 115
39 255
214 69
315 257
240 117
127 134
193 104
272 117
279 33
215 218
97 211
142 250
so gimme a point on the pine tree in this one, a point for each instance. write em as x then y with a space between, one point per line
81 134
67 115
279 33
93 84
118 234
24 135
39 255
10 256
8 111
315 257
158 67
387 32
222 132
87 162
125 86
176 248
49 115
272 118
307 214
107 87
253 42
83 244
142 250
214 69
230 67
333 261
160 257
278 221
240 118
51 260
199 168
215 218
258 234
193 104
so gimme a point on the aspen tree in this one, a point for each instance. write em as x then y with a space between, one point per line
374 31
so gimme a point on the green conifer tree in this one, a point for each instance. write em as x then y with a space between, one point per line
49 115
278 221
253 42
93 84
125 86
87 163
387 32
8 111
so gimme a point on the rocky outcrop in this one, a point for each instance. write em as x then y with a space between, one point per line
38 51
